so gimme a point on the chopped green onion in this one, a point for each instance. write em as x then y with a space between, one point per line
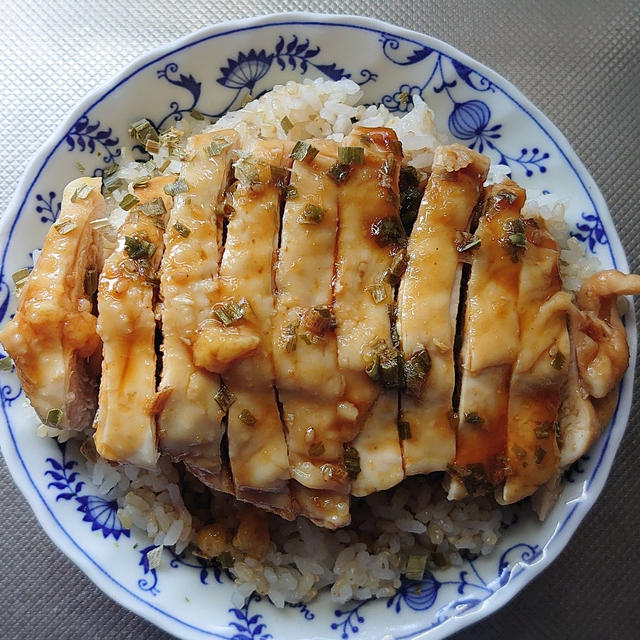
196 115
143 181
173 189
311 214
217 146
539 454
128 201
246 171
473 418
467 243
138 248
153 208
410 196
224 398
404 430
388 231
19 277
182 230
385 366
81 192
316 449
81 169
290 192
90 281
110 183
318 320
303 151
142 131
6 363
352 462
415 566
440 560
278 176
517 240
398 265
416 370
152 146
247 417
514 225
286 124
53 417
403 97
230 312
289 336
558 361
339 173
225 560
378 292
65 226
99 223
350 155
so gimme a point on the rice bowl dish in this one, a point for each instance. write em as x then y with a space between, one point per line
391 531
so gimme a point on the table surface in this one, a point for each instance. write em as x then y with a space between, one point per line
577 60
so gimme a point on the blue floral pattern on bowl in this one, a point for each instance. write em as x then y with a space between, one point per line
210 72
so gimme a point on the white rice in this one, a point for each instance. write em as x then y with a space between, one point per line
368 558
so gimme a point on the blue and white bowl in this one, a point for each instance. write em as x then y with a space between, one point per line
212 71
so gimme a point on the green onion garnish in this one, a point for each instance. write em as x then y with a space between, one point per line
286 124
224 398
142 130
53 417
398 265
506 195
388 231
311 214
415 566
416 370
182 230
128 201
19 277
99 223
179 186
217 146
65 226
289 336
468 242
152 146
196 115
473 418
378 292
247 417
278 176
339 173
303 151
6 364
352 462
154 208
81 192
230 312
350 155
290 192
138 248
517 240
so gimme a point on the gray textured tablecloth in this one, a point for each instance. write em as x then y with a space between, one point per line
578 61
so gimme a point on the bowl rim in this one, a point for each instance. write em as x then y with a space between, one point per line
610 439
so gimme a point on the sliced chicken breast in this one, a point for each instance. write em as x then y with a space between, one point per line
490 341
427 312
541 369
189 423
53 332
127 405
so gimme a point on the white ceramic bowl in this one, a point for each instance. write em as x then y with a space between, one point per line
211 71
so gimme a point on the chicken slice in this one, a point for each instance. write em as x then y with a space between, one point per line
242 324
371 243
598 359
127 404
304 345
427 313
541 369
53 332
189 423
490 342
